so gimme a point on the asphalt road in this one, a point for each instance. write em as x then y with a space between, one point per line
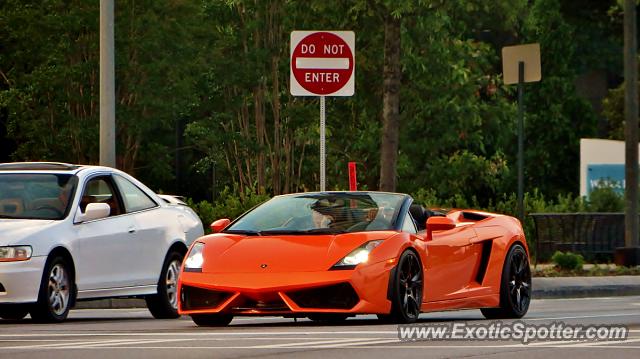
132 333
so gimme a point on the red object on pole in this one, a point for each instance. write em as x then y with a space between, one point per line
353 182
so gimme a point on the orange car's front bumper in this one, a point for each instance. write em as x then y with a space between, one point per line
361 290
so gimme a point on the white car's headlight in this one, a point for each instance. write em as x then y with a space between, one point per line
357 256
15 253
194 260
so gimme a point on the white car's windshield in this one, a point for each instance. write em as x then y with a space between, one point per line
36 195
321 213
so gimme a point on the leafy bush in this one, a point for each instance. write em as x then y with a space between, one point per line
605 199
568 260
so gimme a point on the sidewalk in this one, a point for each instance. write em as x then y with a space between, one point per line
557 287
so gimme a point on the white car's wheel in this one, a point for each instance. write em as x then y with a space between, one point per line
164 305
56 292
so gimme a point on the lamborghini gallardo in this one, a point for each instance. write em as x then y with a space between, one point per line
332 255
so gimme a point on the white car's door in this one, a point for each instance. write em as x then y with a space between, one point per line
106 247
152 225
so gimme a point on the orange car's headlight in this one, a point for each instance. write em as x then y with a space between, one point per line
357 256
195 259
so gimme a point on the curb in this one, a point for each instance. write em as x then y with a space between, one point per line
582 287
586 292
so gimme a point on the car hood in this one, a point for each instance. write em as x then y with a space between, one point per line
260 254
17 231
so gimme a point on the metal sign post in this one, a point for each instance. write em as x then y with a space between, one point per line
323 155
107 86
520 140
515 60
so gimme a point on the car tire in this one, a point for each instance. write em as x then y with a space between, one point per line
212 320
407 288
56 293
14 311
164 304
515 286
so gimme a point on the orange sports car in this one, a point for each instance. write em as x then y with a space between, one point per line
332 255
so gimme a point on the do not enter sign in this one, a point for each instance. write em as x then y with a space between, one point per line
322 63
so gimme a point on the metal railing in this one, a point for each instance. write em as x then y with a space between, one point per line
593 235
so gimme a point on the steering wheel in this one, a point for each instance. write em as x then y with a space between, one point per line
49 208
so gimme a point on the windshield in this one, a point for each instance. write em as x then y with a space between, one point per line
36 195
321 213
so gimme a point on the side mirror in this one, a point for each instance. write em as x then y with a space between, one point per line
94 211
219 225
438 224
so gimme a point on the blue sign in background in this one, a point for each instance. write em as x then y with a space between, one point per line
609 175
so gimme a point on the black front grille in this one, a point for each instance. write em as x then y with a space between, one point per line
194 298
337 296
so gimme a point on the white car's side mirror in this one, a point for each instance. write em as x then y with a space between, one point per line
94 211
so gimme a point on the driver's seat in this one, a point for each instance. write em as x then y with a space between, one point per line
420 215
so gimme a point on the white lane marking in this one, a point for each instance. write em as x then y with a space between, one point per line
536 300
369 342
65 345
358 347
555 342
36 340
605 342
128 342
307 344
261 334
585 316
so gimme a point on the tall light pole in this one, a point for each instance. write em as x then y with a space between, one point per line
107 86
630 254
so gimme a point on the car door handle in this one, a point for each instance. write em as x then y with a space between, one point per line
132 230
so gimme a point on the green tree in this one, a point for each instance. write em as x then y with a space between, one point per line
50 72
556 117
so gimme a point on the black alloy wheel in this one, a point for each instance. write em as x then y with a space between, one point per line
407 290
515 286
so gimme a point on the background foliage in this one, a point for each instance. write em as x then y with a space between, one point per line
203 105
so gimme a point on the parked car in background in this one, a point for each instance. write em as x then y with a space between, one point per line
74 232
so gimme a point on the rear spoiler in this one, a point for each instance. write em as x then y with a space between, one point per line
173 199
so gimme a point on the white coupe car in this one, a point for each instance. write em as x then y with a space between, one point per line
73 232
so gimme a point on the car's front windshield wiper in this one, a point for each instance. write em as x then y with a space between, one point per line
280 231
247 232
325 231
303 231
